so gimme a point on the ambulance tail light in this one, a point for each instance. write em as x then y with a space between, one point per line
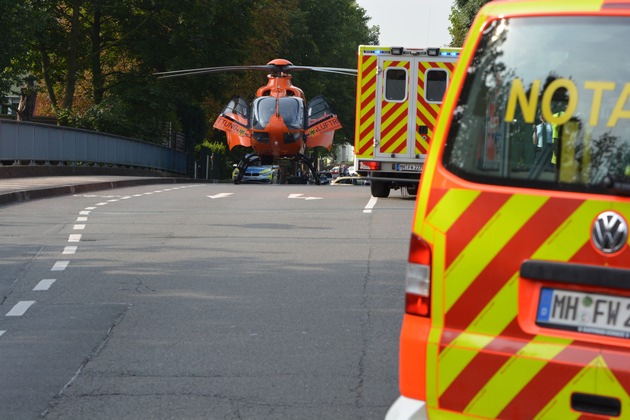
418 278
370 165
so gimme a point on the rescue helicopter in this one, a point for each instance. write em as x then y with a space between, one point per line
278 123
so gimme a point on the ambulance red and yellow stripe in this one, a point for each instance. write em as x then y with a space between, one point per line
366 106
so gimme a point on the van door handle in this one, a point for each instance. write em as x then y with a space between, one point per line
596 404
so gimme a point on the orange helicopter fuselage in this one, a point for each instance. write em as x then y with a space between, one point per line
279 134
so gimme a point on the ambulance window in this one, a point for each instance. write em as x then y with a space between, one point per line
539 114
436 81
395 84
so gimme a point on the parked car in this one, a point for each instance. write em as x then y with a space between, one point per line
263 174
349 180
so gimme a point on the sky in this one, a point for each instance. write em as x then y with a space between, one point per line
410 23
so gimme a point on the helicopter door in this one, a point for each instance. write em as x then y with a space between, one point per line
395 126
234 120
321 123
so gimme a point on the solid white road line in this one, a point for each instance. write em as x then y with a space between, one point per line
44 284
20 308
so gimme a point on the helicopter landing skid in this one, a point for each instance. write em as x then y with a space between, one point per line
311 168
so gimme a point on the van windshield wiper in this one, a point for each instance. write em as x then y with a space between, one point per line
618 186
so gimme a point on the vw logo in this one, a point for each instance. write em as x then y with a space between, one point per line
610 232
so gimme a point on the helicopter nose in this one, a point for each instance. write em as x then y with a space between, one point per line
277 128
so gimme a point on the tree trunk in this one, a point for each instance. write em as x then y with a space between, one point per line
98 87
71 77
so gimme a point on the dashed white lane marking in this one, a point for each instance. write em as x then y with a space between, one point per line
84 213
44 284
101 204
79 227
220 195
370 205
69 250
90 208
20 308
74 238
81 219
2 332
60 266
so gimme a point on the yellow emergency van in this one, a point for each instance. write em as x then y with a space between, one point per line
518 282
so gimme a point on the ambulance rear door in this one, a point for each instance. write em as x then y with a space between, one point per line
394 108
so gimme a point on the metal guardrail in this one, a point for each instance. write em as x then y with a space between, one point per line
43 143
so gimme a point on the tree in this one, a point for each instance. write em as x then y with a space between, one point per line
96 58
462 15
16 25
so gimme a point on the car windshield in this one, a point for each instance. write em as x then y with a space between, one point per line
546 104
291 109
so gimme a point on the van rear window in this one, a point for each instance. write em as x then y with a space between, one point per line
546 104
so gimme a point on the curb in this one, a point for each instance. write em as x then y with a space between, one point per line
14 197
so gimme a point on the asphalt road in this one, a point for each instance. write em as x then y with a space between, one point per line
208 301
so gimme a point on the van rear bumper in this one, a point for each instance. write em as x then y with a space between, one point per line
407 409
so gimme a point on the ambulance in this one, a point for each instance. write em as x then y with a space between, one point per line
517 298
399 93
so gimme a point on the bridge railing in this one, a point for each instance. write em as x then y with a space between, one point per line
42 143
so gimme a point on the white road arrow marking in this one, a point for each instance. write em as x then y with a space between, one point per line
220 195
304 198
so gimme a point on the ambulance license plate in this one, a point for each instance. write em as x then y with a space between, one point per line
409 167
589 313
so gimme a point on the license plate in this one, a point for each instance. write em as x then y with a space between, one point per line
409 167
589 313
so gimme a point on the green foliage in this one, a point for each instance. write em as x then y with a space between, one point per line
96 59
462 15
217 153
14 26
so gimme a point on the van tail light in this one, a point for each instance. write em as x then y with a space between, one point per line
418 278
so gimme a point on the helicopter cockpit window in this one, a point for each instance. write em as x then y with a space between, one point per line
436 82
541 114
290 108
395 84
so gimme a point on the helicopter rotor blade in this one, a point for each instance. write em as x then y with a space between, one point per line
206 70
272 68
335 70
